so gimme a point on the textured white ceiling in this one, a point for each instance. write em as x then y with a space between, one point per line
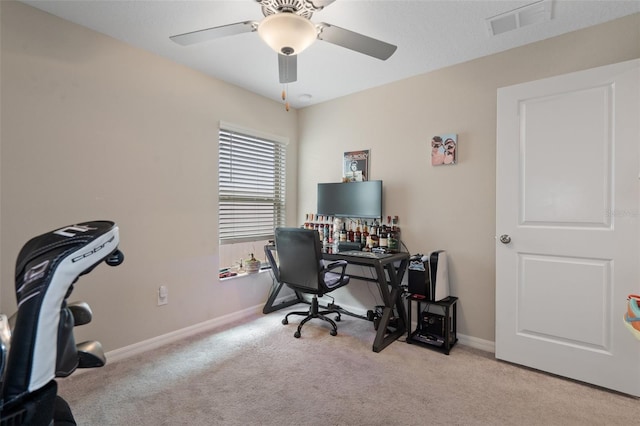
430 34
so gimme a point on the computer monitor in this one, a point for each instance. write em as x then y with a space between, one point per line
351 199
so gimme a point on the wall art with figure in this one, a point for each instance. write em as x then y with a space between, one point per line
355 166
444 149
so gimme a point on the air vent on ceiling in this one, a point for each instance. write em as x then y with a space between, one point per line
533 13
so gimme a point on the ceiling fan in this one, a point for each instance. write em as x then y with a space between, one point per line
288 30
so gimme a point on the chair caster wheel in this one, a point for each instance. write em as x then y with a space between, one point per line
296 334
333 333
285 322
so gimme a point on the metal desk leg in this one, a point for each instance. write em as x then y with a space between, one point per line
270 307
391 299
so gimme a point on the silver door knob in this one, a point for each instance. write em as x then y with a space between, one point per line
505 239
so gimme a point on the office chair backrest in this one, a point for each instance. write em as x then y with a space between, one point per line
300 259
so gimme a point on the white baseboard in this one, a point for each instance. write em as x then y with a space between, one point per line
156 342
474 342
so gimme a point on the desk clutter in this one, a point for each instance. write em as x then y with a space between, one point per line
368 254
340 234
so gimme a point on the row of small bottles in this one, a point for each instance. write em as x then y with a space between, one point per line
369 233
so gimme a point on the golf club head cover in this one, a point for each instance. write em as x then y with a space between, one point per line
42 344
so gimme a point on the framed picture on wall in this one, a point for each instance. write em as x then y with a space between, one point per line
444 149
355 166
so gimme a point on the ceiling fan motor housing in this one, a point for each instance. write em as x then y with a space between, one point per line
304 8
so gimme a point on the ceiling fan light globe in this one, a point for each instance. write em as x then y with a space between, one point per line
287 32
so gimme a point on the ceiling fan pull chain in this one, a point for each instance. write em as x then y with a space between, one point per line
285 87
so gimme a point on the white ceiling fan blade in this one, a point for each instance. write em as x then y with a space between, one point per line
200 36
288 68
355 41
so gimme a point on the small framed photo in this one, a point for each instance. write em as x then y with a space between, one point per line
444 149
355 166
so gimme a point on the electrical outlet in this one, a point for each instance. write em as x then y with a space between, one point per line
163 295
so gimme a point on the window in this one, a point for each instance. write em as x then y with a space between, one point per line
251 188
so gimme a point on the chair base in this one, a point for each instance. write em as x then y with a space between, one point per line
314 312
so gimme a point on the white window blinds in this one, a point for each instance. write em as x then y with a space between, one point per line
251 187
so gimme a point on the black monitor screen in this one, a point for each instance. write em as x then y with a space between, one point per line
350 199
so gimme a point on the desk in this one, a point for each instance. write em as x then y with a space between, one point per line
388 276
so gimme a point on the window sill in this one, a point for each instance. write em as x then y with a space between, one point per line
244 274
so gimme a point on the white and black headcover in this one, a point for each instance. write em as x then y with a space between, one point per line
46 269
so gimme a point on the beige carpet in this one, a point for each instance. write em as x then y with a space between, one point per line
256 373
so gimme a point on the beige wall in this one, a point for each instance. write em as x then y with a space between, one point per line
95 129
445 207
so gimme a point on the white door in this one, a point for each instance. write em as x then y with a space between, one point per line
568 198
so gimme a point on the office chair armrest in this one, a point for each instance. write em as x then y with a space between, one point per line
335 265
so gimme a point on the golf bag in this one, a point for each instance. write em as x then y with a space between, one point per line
37 343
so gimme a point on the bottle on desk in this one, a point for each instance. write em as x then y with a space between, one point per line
394 236
350 232
392 241
373 241
382 241
337 226
365 235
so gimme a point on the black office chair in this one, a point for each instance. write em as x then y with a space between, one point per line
301 267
